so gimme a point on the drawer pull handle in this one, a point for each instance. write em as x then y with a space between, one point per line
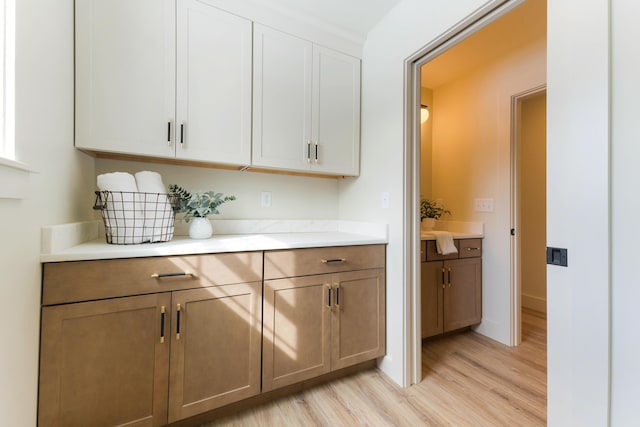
160 276
162 315
473 249
334 260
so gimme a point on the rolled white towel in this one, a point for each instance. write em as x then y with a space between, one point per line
158 215
150 182
444 242
124 215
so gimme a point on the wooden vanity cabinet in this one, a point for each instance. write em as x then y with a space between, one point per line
145 360
451 291
315 322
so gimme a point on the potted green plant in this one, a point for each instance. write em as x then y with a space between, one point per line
431 210
197 206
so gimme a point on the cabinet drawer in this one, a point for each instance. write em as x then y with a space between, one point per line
304 262
432 251
470 248
66 282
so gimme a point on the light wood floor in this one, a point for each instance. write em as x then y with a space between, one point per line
468 380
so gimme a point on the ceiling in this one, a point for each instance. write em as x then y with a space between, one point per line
356 17
524 24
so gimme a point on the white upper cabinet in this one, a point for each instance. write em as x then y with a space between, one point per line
125 75
306 106
146 86
213 120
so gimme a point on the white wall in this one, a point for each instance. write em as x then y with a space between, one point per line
407 28
292 197
578 211
625 176
44 140
472 159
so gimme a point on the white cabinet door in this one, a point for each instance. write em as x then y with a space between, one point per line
281 99
306 106
125 75
213 121
336 112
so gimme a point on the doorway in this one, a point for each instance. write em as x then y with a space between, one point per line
529 175
488 167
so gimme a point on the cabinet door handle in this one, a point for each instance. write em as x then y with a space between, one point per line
337 286
316 158
181 134
169 133
161 275
178 312
333 260
162 318
443 282
449 276
328 296
308 151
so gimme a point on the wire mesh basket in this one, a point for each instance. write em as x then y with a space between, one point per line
132 218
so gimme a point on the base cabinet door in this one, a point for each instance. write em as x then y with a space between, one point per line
358 317
296 330
215 347
105 363
431 299
463 293
321 323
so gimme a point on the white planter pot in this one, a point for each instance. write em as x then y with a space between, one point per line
428 223
200 228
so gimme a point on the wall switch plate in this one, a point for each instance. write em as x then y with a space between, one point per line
557 256
483 205
384 200
265 199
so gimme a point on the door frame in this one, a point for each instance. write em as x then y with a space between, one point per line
516 261
411 187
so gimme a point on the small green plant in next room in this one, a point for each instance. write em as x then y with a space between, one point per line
431 209
199 204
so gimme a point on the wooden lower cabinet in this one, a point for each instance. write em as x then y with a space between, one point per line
146 342
451 292
140 360
316 324
104 363
215 348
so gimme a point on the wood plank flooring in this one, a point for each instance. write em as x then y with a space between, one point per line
468 380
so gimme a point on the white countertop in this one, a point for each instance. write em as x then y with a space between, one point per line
426 235
80 241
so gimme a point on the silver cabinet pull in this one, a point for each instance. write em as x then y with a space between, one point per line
316 158
333 261
161 275
473 249
308 151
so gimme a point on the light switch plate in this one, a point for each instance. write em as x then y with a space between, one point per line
384 200
484 205
265 199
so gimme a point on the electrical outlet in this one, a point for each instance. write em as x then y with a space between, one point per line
265 199
384 200
484 205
